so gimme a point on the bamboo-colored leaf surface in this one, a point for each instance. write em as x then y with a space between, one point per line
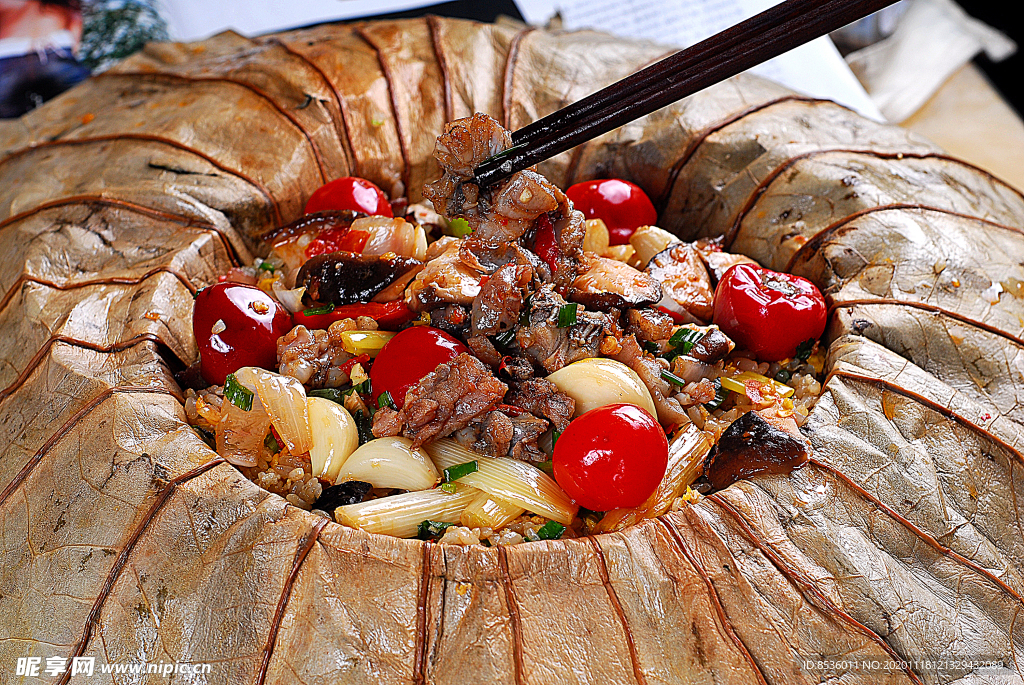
125 538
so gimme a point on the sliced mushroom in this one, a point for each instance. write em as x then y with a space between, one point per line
685 282
752 446
346 278
608 284
718 262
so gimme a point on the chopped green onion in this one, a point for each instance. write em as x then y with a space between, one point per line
672 378
196 293
332 394
453 473
459 227
267 266
547 467
385 400
506 338
237 394
432 530
317 311
803 350
552 530
360 389
684 339
555 435
567 315
720 395
270 442
651 347
449 488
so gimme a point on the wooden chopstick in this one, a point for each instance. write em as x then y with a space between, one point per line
749 43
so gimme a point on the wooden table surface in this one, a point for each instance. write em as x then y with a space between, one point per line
969 118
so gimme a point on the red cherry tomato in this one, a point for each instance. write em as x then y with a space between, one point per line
767 312
408 357
352 193
611 457
250 324
622 206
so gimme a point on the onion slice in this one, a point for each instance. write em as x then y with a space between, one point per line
401 515
510 480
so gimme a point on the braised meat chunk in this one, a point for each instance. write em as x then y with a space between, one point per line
551 346
445 400
543 399
502 433
501 299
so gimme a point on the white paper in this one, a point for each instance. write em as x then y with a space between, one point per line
196 19
815 69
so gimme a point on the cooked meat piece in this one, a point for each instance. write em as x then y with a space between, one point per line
570 230
542 398
504 213
670 412
514 368
445 400
347 278
452 319
608 283
444 280
487 258
314 357
503 433
497 307
684 281
692 370
553 347
498 214
484 350
440 246
649 324
718 262
713 347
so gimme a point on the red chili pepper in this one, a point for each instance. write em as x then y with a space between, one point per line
346 368
544 244
388 315
676 318
337 240
510 410
769 313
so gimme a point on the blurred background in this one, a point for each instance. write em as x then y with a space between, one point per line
949 70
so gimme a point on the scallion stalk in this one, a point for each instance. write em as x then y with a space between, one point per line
672 378
237 394
567 315
453 473
385 400
684 339
319 310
